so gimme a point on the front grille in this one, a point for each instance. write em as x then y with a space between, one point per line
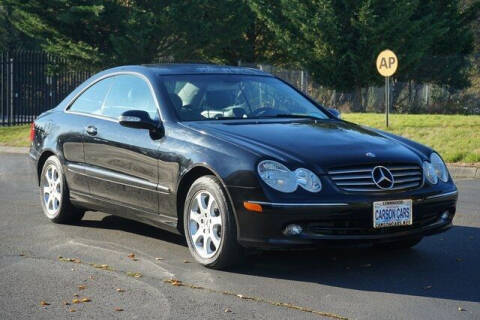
359 179
365 227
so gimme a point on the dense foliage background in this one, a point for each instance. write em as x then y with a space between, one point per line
334 41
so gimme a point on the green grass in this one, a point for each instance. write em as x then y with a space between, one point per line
16 136
455 137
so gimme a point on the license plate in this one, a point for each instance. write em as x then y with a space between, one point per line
392 213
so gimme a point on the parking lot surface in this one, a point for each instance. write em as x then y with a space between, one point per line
43 263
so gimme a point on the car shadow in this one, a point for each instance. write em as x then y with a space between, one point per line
442 266
113 222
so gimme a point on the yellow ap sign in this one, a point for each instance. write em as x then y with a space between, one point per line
387 63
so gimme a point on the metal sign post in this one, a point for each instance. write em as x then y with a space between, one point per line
387 99
387 64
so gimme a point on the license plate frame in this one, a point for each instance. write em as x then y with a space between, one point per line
392 213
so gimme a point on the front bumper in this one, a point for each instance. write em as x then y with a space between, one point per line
338 223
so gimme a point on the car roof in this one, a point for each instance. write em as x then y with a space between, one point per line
192 68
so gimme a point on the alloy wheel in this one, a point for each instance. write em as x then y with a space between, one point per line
205 224
52 191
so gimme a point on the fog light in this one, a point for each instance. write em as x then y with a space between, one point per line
445 215
292 230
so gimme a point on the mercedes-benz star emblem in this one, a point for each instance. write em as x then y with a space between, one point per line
382 177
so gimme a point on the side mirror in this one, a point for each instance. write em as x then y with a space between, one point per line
139 119
335 113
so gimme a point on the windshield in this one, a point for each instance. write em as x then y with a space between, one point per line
210 97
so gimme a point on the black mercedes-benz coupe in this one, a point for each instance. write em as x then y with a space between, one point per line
233 158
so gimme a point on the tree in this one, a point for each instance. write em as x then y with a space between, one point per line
10 37
105 33
338 40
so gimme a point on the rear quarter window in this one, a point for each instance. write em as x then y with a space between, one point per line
91 100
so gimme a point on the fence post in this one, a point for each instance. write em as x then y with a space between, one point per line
302 85
2 111
427 95
11 119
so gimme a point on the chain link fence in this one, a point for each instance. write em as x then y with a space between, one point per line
406 97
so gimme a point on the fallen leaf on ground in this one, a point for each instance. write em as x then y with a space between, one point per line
461 309
66 303
118 309
120 290
134 274
174 282
76 295
131 255
21 255
74 260
76 301
44 303
158 258
85 300
228 310
91 277
102 266
186 261
73 310
134 259
82 287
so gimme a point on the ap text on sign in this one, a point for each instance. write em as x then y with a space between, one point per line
387 63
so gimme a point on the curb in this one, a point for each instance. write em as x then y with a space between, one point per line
14 149
456 171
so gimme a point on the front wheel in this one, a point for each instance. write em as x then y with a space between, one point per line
209 224
54 194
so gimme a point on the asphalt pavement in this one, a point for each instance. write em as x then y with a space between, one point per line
45 268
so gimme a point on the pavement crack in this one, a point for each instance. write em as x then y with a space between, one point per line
178 283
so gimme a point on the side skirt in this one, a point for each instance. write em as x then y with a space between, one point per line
104 205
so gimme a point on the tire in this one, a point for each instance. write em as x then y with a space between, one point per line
54 194
211 234
399 245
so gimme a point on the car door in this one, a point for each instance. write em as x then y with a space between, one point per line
122 162
76 118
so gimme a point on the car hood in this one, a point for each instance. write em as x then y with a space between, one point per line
322 144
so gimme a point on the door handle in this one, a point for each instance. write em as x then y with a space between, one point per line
91 130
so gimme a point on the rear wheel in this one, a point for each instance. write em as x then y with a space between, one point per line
209 224
399 245
54 194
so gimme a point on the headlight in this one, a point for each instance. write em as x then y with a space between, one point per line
439 166
429 172
280 178
277 176
308 180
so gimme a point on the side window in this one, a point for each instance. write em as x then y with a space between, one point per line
92 99
129 93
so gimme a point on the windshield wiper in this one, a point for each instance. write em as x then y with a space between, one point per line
281 115
227 118
297 116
